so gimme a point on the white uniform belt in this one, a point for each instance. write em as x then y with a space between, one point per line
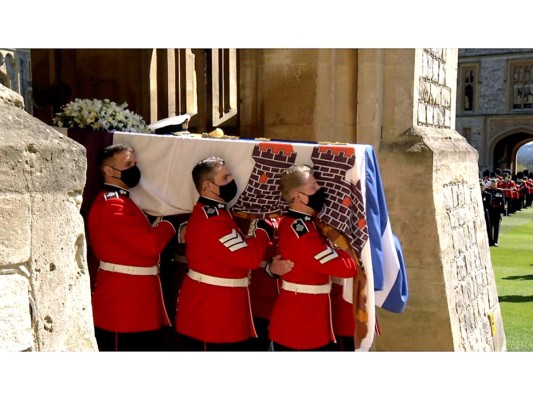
126 269
217 281
337 280
310 289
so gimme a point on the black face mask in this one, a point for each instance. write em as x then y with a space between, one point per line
227 191
317 200
130 176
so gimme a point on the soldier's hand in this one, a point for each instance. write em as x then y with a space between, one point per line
279 266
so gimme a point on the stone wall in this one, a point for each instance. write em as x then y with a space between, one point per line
44 282
493 76
298 94
434 98
477 127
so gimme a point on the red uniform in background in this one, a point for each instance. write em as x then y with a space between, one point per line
216 248
343 318
263 287
301 320
508 186
263 292
122 236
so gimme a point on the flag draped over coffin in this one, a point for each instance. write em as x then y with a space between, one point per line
355 216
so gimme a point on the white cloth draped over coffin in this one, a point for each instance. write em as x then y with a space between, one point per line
356 203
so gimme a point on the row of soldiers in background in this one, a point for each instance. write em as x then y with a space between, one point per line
504 194
517 188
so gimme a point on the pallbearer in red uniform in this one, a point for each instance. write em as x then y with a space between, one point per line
301 318
213 310
127 302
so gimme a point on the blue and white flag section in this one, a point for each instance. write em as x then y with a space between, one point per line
390 276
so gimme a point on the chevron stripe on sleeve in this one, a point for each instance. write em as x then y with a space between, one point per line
233 241
326 255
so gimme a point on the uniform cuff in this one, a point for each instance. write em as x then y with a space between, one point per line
269 272
180 228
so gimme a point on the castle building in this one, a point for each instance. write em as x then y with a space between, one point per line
15 73
495 103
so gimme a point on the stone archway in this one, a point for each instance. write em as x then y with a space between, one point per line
504 148
517 148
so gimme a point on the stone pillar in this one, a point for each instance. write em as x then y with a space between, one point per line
370 96
306 94
45 302
430 177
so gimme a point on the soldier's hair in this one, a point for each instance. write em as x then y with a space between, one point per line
293 178
205 170
109 152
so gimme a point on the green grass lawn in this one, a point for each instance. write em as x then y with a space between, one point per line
513 268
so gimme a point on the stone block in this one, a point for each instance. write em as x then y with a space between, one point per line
59 265
15 319
15 228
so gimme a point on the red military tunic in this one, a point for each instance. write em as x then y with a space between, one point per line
507 186
215 246
121 234
301 320
515 190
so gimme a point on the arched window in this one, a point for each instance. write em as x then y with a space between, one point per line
522 81
468 88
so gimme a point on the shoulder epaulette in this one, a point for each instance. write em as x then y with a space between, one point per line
299 227
210 211
110 195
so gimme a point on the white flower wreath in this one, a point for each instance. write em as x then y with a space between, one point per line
99 115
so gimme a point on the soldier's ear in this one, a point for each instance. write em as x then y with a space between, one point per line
292 200
205 185
295 196
107 170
